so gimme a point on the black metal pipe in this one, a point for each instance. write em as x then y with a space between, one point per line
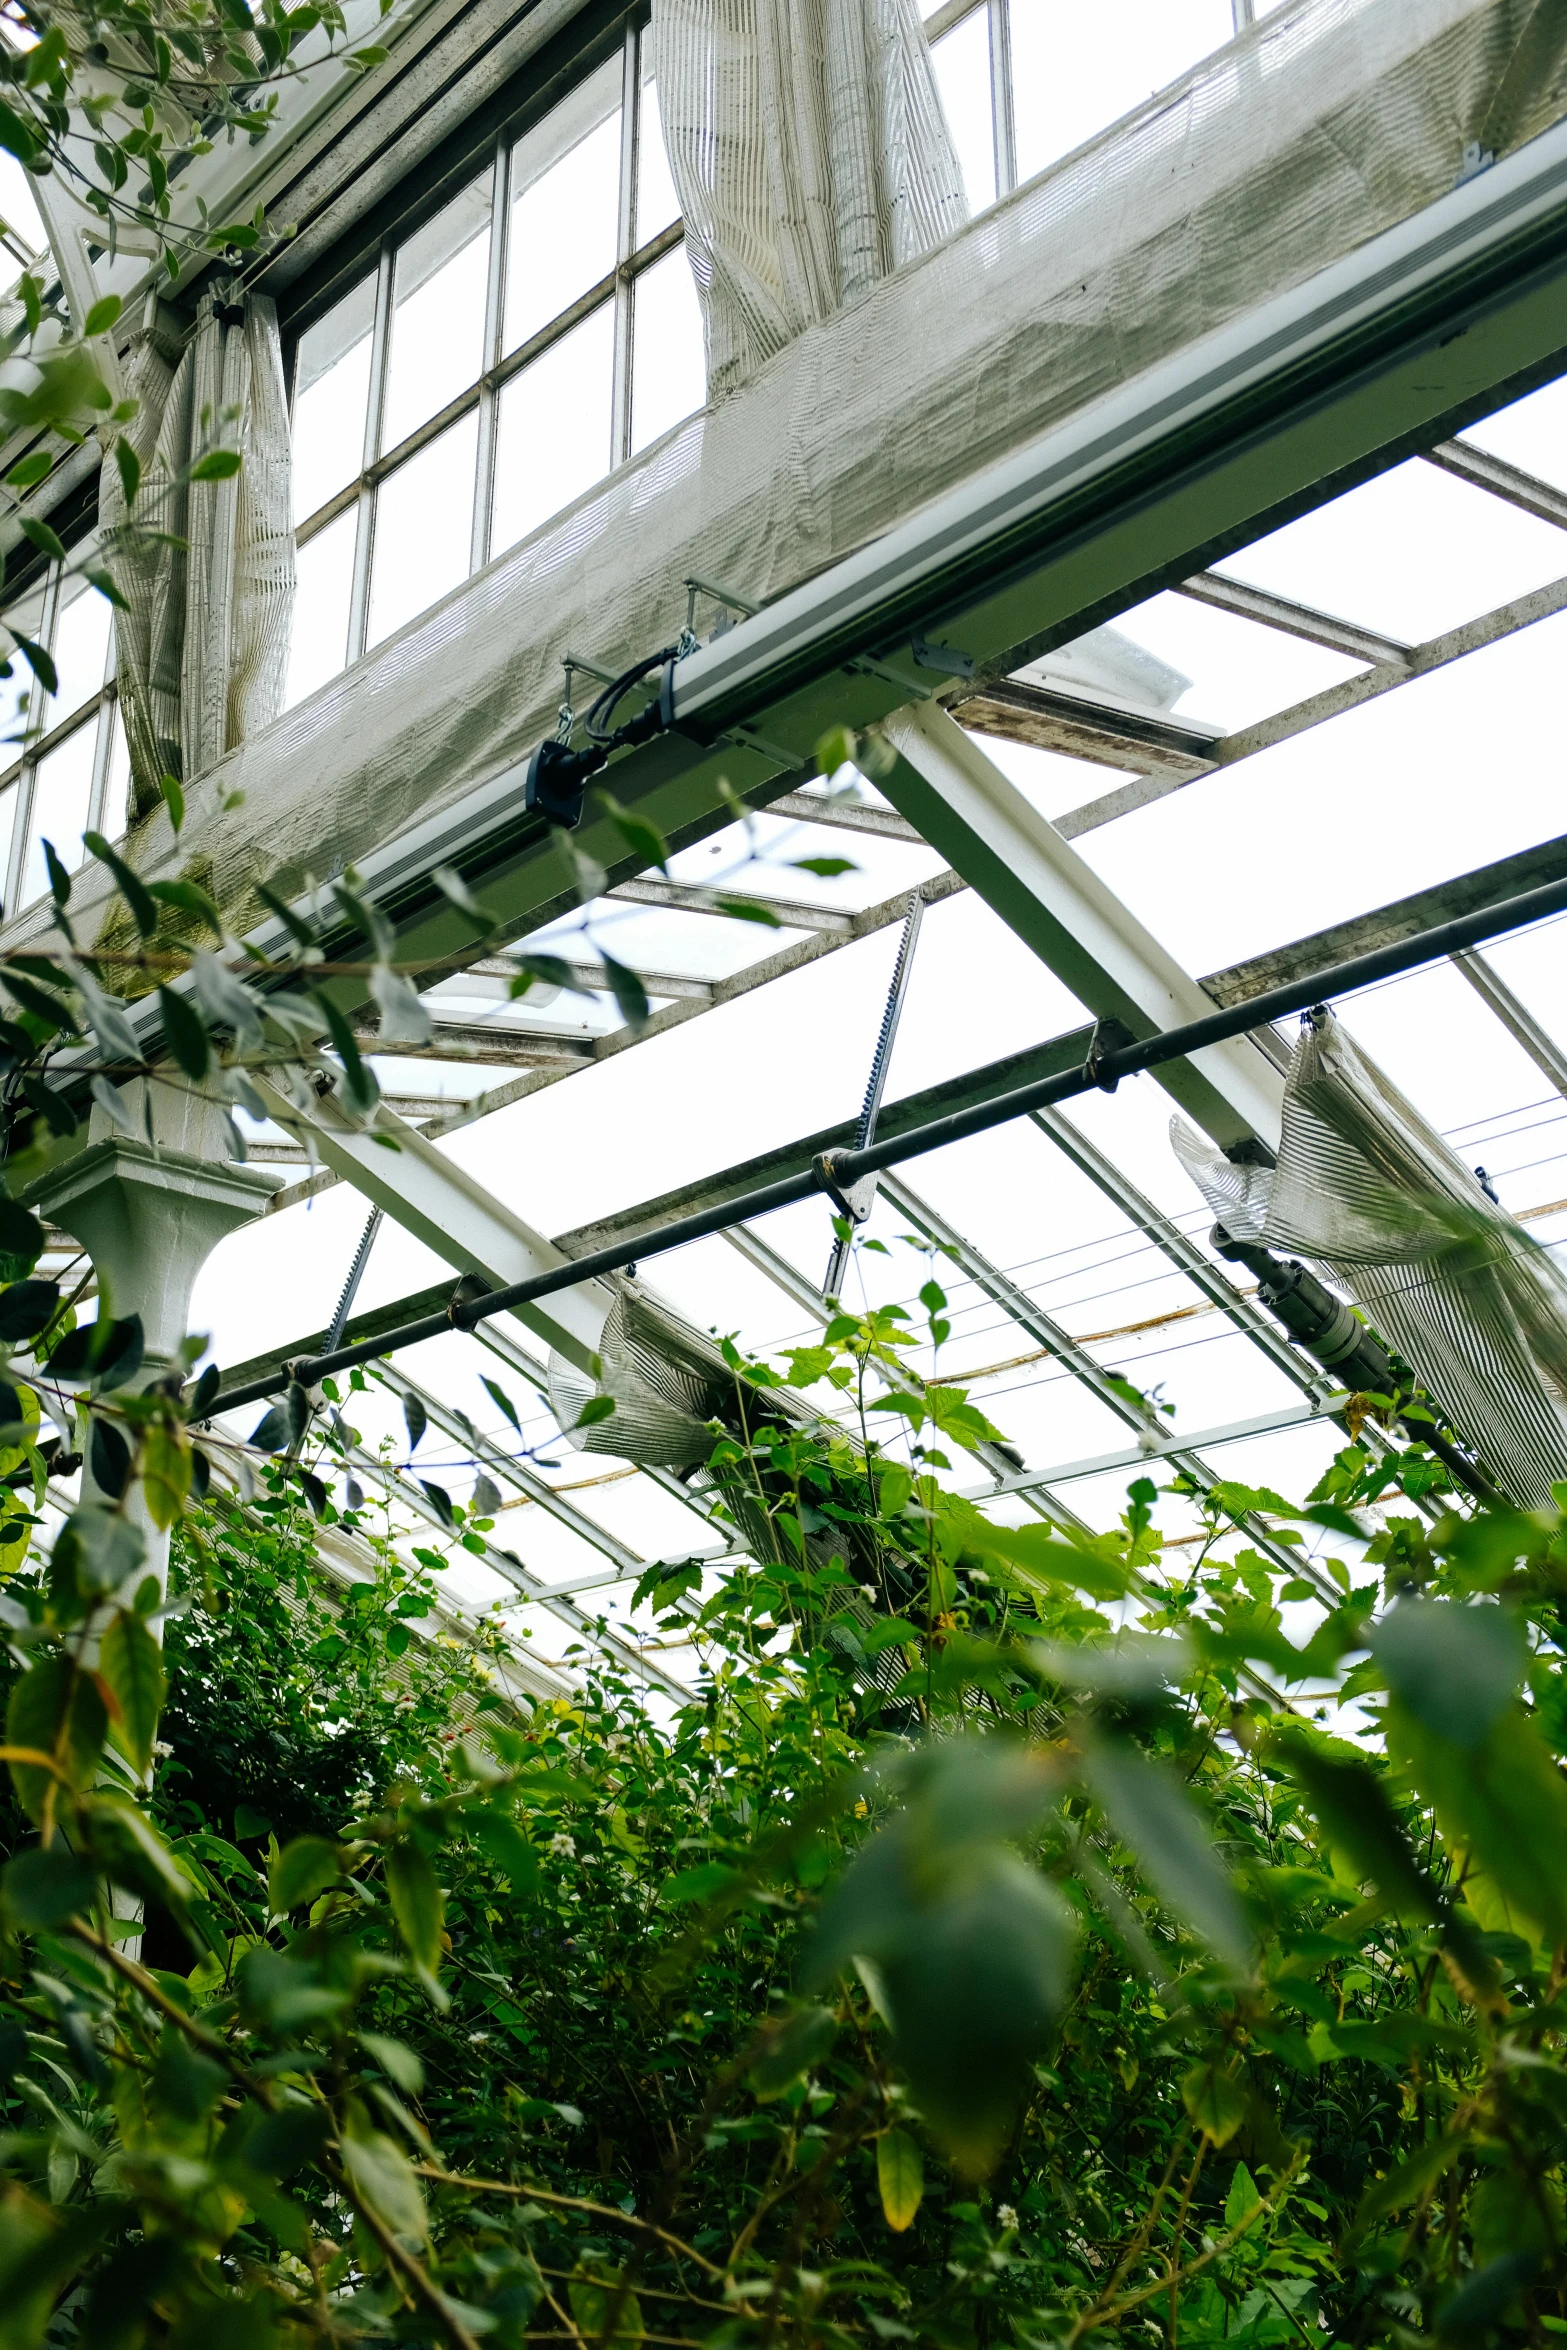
1102 1071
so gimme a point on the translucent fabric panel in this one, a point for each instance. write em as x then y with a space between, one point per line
1075 70
81 649
962 62
423 528
62 794
1413 553
325 570
554 429
1444 1048
1531 433
331 386
668 363
657 203
438 293
565 205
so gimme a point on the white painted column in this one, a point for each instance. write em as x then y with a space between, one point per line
149 1214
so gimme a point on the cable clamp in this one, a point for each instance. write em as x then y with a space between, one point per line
1099 1044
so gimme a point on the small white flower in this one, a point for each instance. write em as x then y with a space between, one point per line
564 1846
1006 2217
477 2039
160 1747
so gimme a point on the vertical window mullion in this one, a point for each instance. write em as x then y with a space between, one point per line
1242 13
98 793
364 536
630 111
494 328
1002 117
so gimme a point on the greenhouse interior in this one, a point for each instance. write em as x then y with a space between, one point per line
812 1694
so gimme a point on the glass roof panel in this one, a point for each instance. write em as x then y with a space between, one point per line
1443 775
1531 433
1444 1048
1236 670
1413 553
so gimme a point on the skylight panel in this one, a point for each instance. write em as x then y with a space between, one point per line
1531 433
1412 554
1237 670
1439 1042
1448 773
1533 964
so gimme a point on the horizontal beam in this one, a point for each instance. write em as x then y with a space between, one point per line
1103 1070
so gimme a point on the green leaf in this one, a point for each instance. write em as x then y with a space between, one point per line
102 316
631 1000
397 2061
129 466
381 2176
21 1234
826 868
218 464
607 2315
359 1088
184 1034
1151 1811
900 2175
48 542
791 2048
1412 2178
418 1904
1215 2100
1353 1811
186 898
501 1400
131 1663
509 1848
165 1475
41 1888
174 800
1456 1669
28 471
304 1868
642 838
56 1709
747 910
455 890
144 911
1043 1556
1504 1804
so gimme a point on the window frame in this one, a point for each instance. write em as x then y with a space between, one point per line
618 286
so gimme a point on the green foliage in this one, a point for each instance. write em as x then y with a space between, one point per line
962 1963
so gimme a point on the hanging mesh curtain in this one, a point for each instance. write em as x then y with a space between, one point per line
202 652
1374 1195
811 156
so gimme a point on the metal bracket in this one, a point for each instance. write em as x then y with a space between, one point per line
854 1200
946 659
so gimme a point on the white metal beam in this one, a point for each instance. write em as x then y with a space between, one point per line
419 1187
1042 889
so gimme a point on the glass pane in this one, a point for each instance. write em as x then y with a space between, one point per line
565 205
657 203
423 529
319 646
554 437
438 290
1530 433
20 697
1076 69
62 790
8 806
331 385
962 63
668 360
81 648
18 207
